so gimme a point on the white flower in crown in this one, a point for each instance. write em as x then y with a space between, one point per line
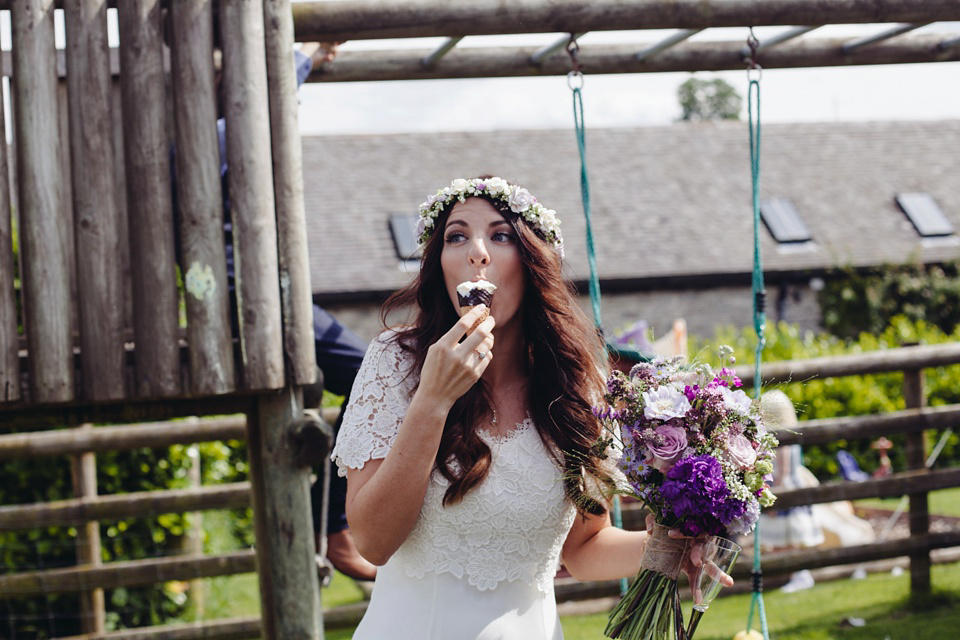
518 199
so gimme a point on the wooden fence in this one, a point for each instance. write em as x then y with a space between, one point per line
85 442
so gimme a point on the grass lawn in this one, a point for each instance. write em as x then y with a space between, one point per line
881 600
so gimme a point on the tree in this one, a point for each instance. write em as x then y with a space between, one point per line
709 100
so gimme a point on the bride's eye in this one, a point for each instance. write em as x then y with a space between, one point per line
453 237
502 236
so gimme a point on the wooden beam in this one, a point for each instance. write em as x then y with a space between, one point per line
146 150
373 19
124 574
298 338
359 66
200 198
95 212
20 417
221 629
894 486
289 584
252 204
9 336
884 361
121 438
125 505
825 430
44 220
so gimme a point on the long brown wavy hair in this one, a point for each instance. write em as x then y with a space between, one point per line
563 367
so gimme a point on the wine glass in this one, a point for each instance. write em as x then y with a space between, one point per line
718 557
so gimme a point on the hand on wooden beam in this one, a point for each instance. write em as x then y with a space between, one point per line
320 53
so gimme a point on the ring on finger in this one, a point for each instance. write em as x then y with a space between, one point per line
481 354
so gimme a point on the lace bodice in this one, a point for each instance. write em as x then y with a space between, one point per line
510 527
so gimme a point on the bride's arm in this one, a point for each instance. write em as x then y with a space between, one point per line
596 550
384 496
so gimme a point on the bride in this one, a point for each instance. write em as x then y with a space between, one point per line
468 442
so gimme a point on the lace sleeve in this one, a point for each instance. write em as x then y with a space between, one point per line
379 400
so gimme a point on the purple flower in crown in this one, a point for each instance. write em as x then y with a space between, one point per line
480 186
421 227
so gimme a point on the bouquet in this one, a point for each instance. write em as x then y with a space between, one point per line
695 451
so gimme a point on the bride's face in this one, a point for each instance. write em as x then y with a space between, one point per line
478 243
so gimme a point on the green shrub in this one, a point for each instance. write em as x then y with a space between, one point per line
856 302
851 395
26 481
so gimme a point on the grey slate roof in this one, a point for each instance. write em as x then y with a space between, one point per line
667 201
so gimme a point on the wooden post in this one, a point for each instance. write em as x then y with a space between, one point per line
250 179
83 469
43 240
200 197
288 184
919 510
289 586
95 214
149 205
9 337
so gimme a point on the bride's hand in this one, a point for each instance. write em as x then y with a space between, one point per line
452 367
693 559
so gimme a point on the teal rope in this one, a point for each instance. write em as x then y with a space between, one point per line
759 323
585 195
592 256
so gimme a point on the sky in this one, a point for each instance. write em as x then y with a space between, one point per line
865 93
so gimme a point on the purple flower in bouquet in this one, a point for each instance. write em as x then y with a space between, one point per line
697 494
666 446
664 403
736 400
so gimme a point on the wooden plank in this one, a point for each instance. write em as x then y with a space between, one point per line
915 398
296 293
43 240
149 204
200 198
825 430
83 469
496 62
126 574
816 558
289 585
95 213
250 180
370 19
9 331
20 417
909 482
126 505
882 361
121 438
223 629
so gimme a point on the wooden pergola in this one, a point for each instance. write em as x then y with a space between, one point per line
103 368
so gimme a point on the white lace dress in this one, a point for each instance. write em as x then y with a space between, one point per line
481 569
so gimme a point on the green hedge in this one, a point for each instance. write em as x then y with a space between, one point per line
851 395
30 481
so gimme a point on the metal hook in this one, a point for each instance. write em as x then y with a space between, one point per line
573 49
754 45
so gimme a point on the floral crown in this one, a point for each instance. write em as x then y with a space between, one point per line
542 220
